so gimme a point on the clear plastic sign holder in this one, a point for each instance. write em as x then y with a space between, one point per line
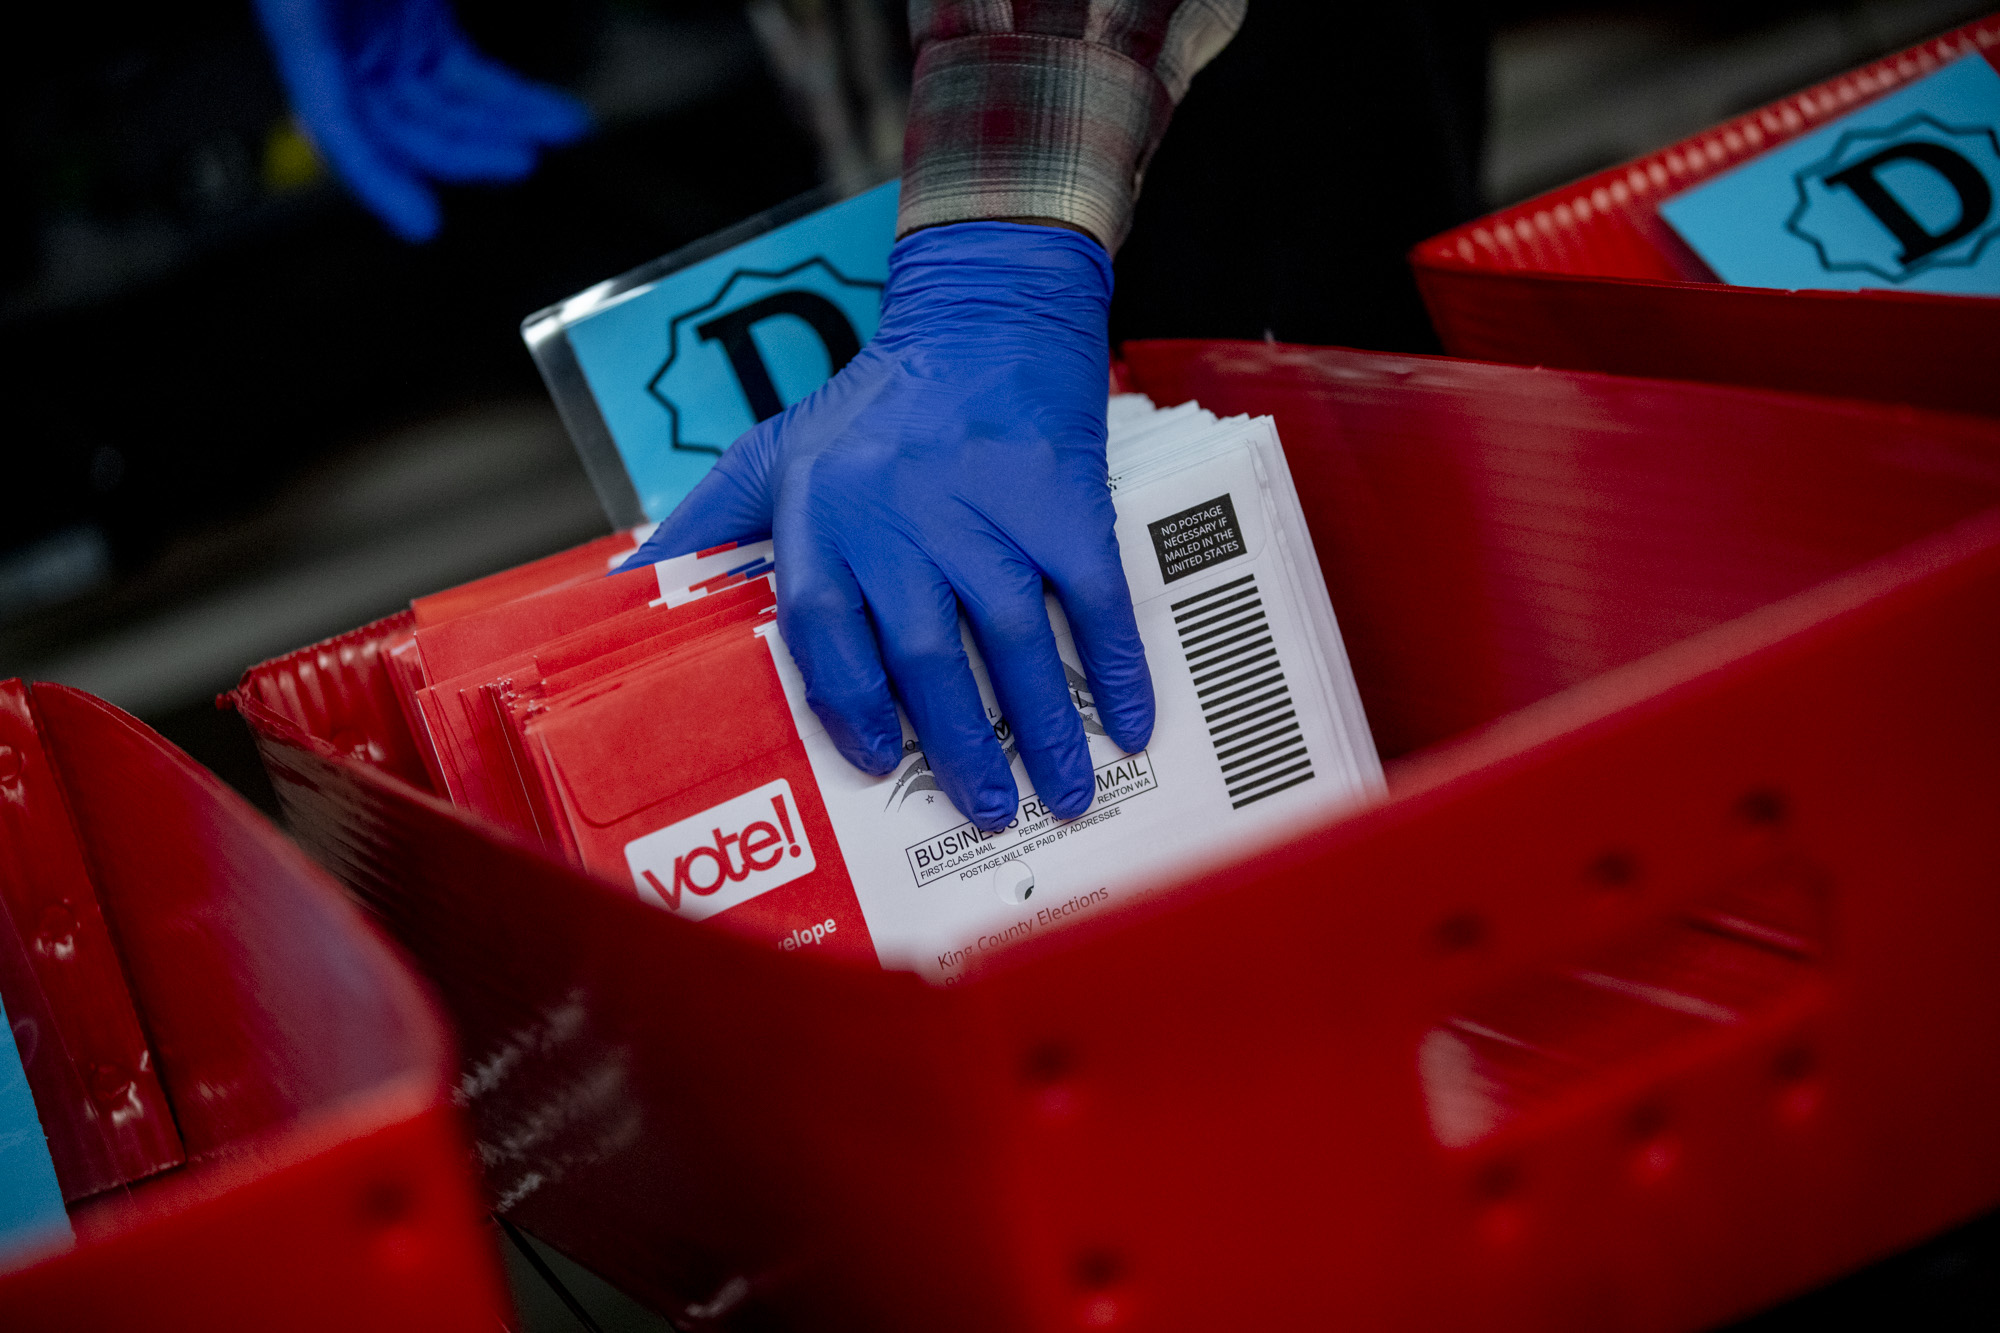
655 372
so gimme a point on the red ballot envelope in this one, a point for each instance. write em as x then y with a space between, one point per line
624 640
405 668
464 714
452 647
684 777
455 647
493 622
507 705
592 560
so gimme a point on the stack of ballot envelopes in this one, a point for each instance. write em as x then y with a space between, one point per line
651 726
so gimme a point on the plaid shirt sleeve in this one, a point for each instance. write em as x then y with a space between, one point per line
1047 108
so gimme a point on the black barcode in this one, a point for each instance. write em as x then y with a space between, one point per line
1241 687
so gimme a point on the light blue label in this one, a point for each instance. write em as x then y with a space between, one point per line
682 366
1904 194
31 1203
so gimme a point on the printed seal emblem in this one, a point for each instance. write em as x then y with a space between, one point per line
1901 199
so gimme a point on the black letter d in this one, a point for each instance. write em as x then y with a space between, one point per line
1975 196
733 332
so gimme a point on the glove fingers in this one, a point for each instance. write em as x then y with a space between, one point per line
425 102
405 120
412 107
536 110
498 104
733 503
825 623
1011 622
1098 605
420 95
313 67
404 71
916 621
395 194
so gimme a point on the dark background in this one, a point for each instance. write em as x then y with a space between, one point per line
240 417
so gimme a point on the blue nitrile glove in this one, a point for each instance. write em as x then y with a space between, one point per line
954 465
394 96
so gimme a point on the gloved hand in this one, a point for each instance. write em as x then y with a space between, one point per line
953 465
394 96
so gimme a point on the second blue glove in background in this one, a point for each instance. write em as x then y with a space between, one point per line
394 97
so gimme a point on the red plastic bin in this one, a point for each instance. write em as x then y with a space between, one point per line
1685 689
326 1183
1589 277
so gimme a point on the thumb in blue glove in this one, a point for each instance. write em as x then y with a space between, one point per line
395 96
956 465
